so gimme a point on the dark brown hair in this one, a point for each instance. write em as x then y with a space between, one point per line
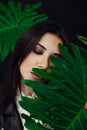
23 47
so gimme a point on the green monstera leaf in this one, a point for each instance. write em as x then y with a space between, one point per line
82 39
61 103
14 20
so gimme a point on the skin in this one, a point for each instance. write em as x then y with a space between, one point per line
39 58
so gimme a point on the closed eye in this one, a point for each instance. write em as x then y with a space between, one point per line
38 52
56 55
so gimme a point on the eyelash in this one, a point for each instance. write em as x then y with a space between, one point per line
58 56
38 52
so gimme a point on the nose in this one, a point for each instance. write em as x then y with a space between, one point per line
43 63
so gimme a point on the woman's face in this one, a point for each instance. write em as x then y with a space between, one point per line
39 57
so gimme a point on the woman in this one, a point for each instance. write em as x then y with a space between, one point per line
32 50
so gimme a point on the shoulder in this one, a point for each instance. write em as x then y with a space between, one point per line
10 118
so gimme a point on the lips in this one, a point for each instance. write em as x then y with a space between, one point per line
35 77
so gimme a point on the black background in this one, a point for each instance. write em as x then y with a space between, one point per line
71 14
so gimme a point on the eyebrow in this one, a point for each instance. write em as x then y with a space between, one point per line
57 54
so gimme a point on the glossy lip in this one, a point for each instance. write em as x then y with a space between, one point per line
34 76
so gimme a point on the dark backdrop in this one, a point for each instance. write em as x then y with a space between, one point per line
71 14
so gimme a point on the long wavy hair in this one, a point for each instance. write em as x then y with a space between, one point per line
24 46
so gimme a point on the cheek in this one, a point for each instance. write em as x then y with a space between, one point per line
27 65
24 70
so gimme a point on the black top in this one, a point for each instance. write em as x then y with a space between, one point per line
10 119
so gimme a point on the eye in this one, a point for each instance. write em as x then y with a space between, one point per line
38 51
57 55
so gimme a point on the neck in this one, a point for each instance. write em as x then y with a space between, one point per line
26 90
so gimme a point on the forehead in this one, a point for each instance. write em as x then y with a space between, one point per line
50 41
